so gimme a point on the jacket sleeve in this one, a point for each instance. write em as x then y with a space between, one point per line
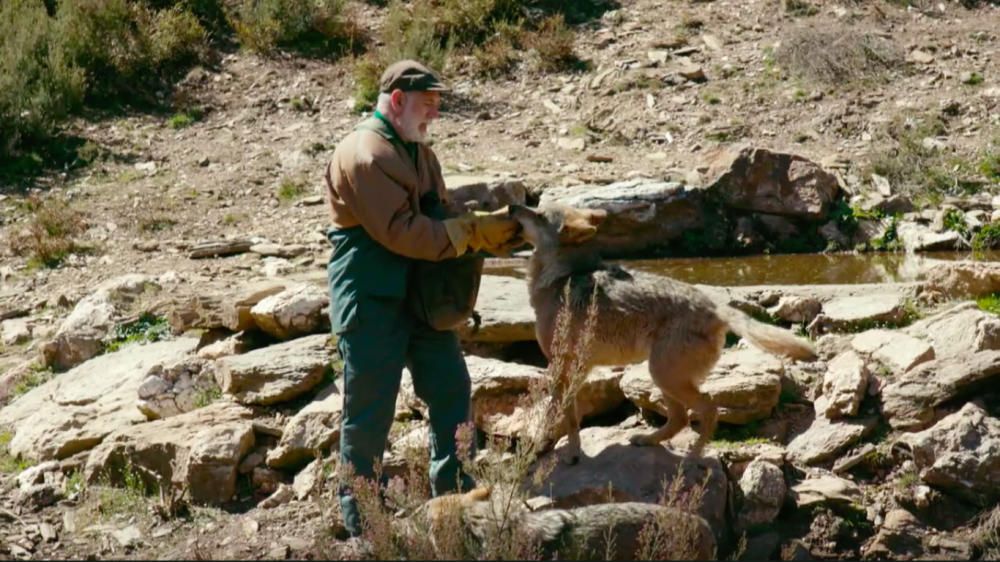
382 206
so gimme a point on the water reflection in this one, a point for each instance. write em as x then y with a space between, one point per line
802 269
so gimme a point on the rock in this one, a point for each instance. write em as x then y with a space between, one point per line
909 402
199 450
920 57
81 335
308 480
825 489
896 350
15 331
219 248
38 474
961 454
219 306
643 215
854 458
899 537
959 331
850 313
826 438
963 279
919 238
315 427
503 310
745 384
799 310
576 143
755 179
832 234
265 481
763 487
129 537
485 193
74 411
279 251
281 496
276 373
174 387
634 473
296 311
844 385
692 72
38 496
778 227
234 345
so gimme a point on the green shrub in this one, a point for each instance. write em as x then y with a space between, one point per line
38 84
311 25
989 303
290 189
987 238
147 328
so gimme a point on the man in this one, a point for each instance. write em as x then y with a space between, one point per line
376 182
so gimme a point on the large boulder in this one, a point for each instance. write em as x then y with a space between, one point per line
910 401
643 215
961 454
745 384
276 373
755 179
76 410
920 238
826 438
83 333
294 312
959 331
175 387
315 427
896 350
500 389
844 385
485 193
634 474
198 450
503 312
958 279
763 493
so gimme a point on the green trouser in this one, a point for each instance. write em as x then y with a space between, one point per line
377 338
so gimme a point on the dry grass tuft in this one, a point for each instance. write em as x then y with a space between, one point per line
836 55
50 234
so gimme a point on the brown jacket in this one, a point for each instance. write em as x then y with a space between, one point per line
372 181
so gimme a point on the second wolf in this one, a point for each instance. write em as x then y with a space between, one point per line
639 316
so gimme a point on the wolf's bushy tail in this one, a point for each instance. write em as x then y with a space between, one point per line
769 338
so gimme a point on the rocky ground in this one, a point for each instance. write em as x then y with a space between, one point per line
886 447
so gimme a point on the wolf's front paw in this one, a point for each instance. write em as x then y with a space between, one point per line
569 455
643 440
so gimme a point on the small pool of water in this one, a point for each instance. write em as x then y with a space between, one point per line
803 269
785 269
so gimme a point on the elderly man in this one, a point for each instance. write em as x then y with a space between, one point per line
387 201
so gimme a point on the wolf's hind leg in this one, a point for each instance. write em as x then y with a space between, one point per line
677 419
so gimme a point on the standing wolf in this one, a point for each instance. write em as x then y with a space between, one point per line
679 329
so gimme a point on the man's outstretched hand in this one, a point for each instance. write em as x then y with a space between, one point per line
494 232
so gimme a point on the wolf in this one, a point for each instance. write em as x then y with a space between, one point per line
611 531
639 316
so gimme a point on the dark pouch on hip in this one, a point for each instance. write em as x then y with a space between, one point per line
442 294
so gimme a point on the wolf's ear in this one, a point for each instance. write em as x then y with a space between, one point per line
596 216
576 229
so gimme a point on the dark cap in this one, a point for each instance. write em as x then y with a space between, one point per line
410 76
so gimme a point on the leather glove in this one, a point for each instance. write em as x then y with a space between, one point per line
481 231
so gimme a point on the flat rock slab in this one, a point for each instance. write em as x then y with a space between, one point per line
825 489
961 453
896 350
826 439
317 426
745 384
505 314
76 410
919 238
276 373
635 473
909 402
643 215
200 449
959 331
